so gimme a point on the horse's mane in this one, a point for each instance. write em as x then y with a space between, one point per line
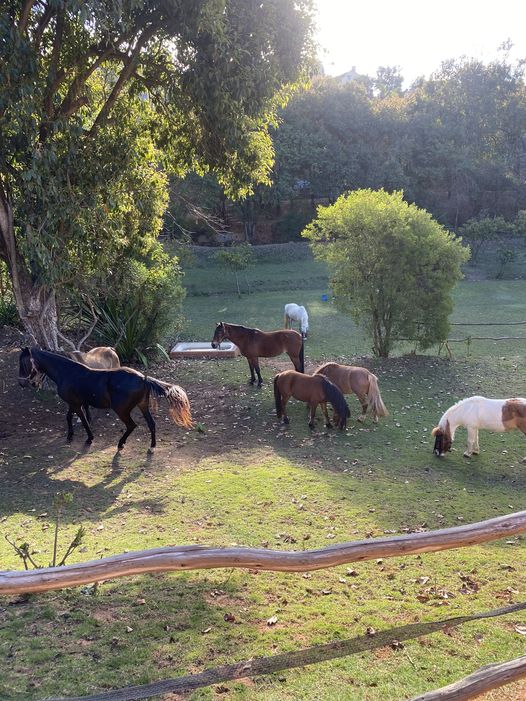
244 328
50 354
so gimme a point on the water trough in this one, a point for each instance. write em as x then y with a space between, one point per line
203 349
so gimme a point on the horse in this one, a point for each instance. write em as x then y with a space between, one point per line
349 379
478 412
293 312
255 344
100 358
313 389
121 389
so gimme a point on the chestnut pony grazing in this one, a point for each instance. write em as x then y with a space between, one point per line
120 389
478 412
100 358
364 384
255 344
313 389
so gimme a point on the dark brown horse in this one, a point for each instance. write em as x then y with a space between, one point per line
120 389
313 389
255 344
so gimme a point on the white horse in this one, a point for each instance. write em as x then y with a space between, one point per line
478 412
293 312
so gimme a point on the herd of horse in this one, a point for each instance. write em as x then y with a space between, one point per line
97 379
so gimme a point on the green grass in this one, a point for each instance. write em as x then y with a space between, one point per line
247 480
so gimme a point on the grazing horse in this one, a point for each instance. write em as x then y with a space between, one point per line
313 389
478 412
293 312
120 389
255 344
364 384
100 358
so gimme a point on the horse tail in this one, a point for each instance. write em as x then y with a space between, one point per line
302 356
277 398
375 398
336 398
178 404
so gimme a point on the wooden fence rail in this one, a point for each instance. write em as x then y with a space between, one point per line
192 557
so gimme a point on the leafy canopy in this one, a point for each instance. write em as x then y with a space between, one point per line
393 267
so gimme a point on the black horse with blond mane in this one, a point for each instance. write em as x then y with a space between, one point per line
121 389
255 344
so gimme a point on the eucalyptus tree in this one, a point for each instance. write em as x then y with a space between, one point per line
99 98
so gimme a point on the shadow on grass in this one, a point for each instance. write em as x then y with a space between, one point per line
393 637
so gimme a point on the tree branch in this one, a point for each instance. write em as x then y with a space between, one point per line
24 15
124 76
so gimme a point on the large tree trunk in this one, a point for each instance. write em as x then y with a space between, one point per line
36 304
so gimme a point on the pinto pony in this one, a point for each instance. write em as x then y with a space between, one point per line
313 389
478 412
255 344
293 312
100 358
352 379
120 389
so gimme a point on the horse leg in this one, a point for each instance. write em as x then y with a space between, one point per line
69 419
476 447
326 413
80 413
151 425
284 399
312 414
256 366
130 424
87 412
472 438
363 402
295 361
252 374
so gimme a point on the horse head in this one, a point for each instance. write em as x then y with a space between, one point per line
443 440
28 373
219 335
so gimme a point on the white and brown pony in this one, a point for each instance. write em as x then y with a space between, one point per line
478 412
360 381
294 312
100 358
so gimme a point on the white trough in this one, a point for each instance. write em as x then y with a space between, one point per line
203 349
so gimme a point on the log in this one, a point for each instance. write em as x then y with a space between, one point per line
484 679
193 557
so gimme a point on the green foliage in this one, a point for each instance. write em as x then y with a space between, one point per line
393 267
505 255
141 307
480 231
237 259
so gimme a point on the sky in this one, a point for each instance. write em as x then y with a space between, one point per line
416 35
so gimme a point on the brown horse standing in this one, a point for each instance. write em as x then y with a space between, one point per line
363 383
313 389
255 344
100 358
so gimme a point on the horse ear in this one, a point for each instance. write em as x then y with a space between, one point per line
435 431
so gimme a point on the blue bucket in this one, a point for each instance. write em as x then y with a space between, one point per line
325 298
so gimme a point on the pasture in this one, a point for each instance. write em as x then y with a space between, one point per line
243 478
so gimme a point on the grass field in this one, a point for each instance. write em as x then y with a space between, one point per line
248 481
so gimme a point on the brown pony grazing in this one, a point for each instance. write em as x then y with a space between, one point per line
100 358
255 344
313 389
363 383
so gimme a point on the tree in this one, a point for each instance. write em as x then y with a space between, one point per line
96 96
237 259
393 267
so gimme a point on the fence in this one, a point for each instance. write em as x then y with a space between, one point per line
469 339
183 558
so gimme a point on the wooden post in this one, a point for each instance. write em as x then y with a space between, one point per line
191 557
484 679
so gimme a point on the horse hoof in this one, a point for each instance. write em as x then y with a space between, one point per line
120 447
329 425
259 385
151 450
286 420
467 455
311 425
361 418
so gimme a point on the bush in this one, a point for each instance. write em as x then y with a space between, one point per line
142 306
393 266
